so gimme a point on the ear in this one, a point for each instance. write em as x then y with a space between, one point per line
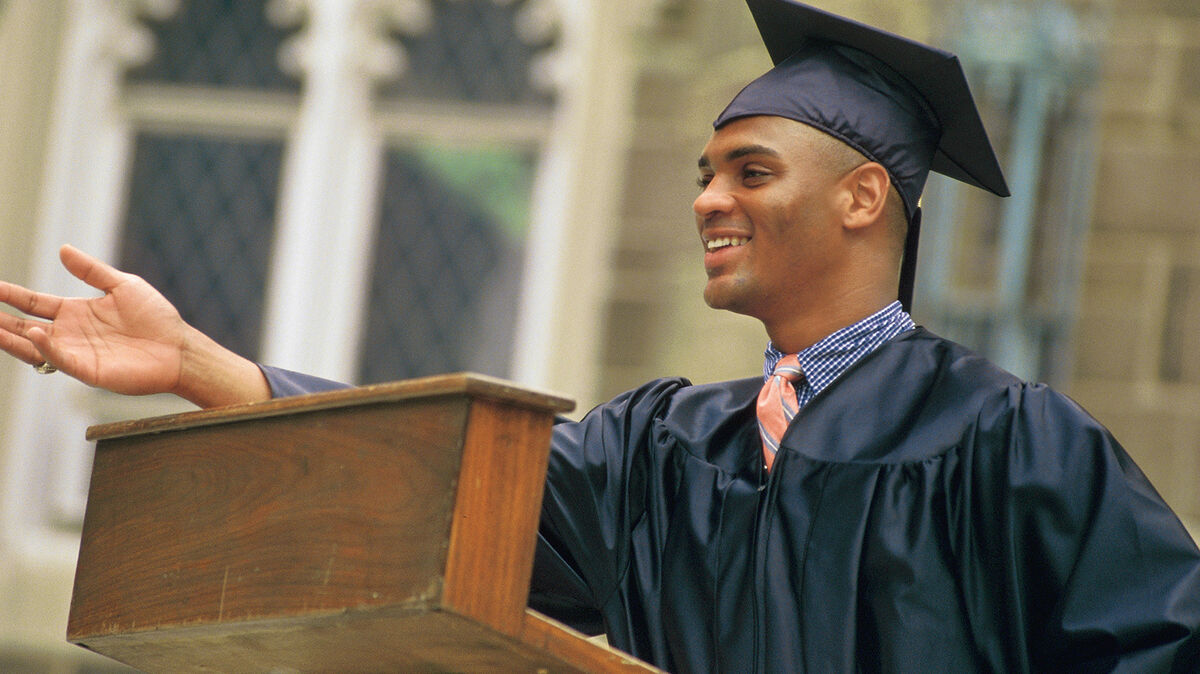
866 191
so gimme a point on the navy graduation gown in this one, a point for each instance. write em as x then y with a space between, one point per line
926 513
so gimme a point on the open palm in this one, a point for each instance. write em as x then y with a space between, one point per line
129 340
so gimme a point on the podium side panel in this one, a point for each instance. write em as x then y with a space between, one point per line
496 515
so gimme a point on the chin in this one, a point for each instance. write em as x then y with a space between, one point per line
724 300
714 298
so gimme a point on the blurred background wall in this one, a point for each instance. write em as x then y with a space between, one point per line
382 189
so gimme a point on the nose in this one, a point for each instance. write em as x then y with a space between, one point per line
713 200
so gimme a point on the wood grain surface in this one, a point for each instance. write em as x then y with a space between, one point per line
388 528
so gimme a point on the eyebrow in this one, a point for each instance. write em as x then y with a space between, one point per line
739 152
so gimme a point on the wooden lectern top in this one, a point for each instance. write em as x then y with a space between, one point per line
464 383
384 528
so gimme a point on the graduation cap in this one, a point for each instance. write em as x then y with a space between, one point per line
900 103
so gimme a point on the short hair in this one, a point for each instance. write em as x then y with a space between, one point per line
839 159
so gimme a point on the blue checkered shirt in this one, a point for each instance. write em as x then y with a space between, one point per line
826 360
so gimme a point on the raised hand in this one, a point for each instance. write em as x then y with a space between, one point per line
129 340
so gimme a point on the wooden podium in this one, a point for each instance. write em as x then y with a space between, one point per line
385 528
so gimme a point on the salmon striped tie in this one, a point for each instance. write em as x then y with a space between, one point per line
777 405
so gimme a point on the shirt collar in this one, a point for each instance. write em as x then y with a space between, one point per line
826 360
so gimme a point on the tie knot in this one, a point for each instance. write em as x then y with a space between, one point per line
788 368
778 405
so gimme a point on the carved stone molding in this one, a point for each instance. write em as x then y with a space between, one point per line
368 21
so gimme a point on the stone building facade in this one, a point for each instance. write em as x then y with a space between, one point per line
1137 364
1133 356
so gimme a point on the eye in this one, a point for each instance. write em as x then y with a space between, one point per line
704 179
754 175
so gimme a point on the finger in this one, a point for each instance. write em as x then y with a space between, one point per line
13 341
50 353
15 324
40 340
90 270
28 301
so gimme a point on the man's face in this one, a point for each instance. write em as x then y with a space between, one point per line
766 217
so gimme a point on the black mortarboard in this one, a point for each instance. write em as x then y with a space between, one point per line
901 103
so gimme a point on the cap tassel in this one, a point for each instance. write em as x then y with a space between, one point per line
908 266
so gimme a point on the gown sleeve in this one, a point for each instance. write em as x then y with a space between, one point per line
1098 570
285 383
596 495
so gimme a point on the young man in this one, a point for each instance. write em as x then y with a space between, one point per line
887 501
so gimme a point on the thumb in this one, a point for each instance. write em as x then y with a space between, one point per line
89 269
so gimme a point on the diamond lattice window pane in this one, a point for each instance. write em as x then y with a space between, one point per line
221 43
471 52
199 228
448 261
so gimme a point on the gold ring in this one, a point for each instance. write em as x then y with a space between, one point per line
45 368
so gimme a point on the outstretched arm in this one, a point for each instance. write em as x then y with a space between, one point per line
130 340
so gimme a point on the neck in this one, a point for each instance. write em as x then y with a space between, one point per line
801 329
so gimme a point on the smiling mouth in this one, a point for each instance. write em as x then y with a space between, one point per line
725 242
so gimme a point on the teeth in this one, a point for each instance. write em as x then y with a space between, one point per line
724 241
